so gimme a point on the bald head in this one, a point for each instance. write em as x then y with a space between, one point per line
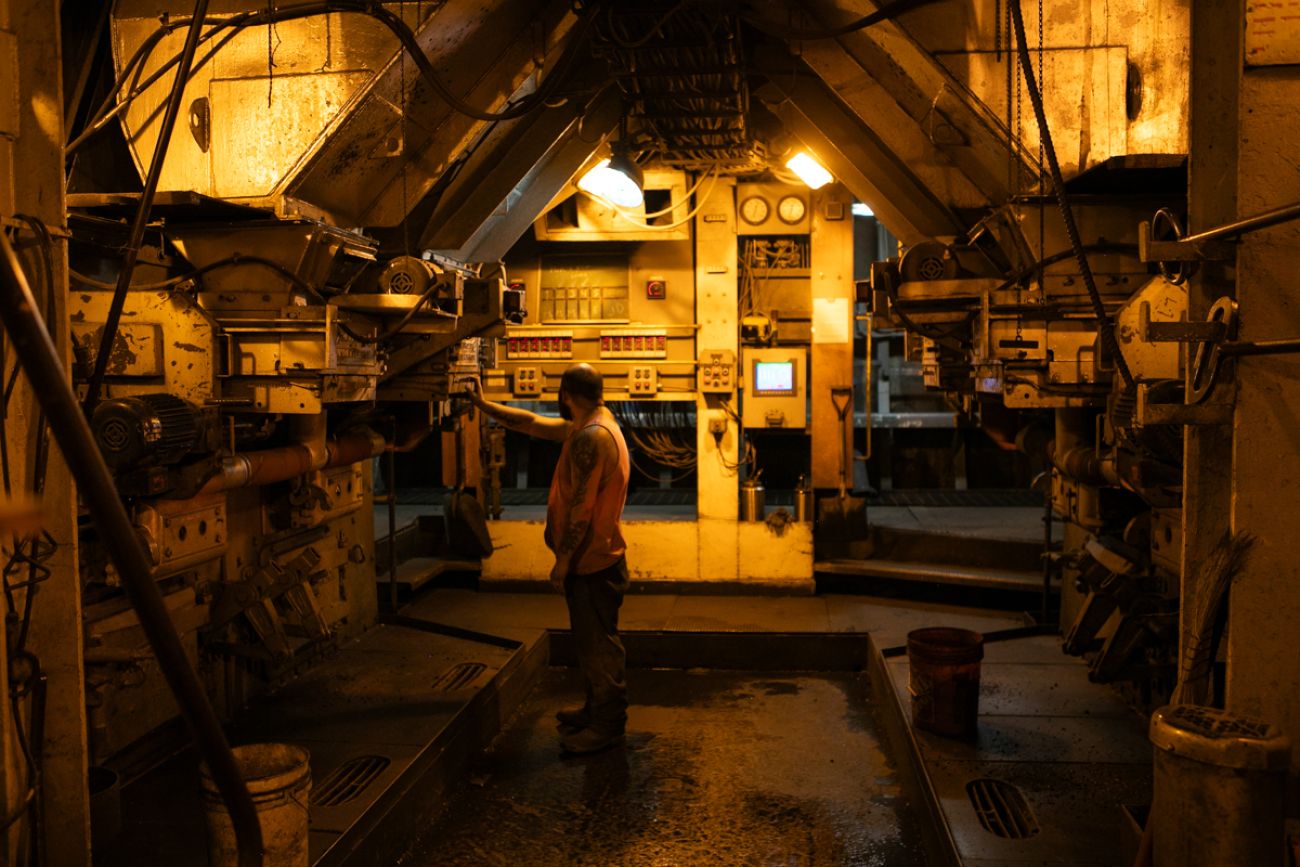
583 382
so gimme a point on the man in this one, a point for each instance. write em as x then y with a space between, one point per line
583 512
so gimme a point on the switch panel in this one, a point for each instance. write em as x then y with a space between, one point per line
642 381
539 344
717 373
633 344
528 381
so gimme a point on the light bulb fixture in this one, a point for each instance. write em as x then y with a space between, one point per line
617 180
811 172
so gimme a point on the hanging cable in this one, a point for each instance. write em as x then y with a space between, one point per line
641 224
228 262
141 220
402 323
398 27
1106 326
884 13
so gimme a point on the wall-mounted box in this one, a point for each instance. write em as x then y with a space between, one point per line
776 390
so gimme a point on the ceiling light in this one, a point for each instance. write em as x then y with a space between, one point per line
617 180
810 171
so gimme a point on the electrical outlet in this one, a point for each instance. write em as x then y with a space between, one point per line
718 424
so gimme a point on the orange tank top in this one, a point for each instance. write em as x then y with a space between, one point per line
604 545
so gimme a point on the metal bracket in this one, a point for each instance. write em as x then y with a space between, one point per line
1177 332
1155 413
1178 256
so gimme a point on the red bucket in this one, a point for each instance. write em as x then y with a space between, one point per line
944 679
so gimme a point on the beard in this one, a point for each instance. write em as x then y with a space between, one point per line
565 412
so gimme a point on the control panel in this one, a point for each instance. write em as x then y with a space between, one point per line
717 371
642 381
528 382
540 344
776 393
639 343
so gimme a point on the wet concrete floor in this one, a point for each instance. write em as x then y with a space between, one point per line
720 768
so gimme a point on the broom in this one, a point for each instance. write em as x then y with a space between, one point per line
1196 659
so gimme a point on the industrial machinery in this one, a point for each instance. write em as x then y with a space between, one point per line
267 241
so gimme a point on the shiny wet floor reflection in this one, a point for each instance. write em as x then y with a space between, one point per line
719 768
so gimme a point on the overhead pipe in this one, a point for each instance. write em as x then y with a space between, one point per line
40 361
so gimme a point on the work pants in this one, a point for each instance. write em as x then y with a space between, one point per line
594 601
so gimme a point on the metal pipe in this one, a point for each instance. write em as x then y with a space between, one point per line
268 466
136 238
1246 224
308 431
392 525
40 360
1282 346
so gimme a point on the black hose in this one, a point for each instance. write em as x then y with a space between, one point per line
40 360
1105 325
228 262
402 323
885 13
136 238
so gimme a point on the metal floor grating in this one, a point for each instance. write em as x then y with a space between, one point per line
346 782
458 676
1002 808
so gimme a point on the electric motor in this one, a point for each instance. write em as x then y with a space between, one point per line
147 429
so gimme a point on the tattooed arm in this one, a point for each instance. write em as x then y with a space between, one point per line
591 448
514 418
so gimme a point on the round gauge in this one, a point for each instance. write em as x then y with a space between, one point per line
791 209
755 210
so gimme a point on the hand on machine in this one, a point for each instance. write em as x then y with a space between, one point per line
469 387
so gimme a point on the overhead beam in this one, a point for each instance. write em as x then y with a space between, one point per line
512 177
400 138
916 105
858 157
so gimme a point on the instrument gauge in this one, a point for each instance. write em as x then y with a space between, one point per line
755 210
791 209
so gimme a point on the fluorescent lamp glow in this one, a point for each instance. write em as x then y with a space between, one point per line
810 171
861 209
617 180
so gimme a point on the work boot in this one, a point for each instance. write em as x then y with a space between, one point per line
576 718
590 741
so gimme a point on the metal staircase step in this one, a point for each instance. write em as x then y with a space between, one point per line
938 573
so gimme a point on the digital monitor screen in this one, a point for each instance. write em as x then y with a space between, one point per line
774 377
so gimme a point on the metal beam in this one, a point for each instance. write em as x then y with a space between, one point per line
914 103
858 157
503 189
382 158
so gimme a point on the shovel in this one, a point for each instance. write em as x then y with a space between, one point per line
843 519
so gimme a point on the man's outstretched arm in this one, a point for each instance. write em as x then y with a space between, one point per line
514 418
591 448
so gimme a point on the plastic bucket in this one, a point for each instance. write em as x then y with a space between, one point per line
279 779
944 679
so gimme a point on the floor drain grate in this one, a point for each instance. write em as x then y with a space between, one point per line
346 782
458 676
1002 808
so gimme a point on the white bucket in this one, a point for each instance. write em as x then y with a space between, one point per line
279 779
